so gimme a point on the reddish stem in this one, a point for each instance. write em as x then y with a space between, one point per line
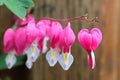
84 18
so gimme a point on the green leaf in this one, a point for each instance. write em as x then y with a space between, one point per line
18 7
1 2
27 3
20 61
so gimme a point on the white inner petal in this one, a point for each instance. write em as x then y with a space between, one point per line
66 60
52 57
93 60
29 63
45 45
33 52
10 60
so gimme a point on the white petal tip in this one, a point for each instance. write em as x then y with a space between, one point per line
44 50
29 65
34 57
52 63
10 60
91 60
52 57
33 53
9 65
66 65
45 45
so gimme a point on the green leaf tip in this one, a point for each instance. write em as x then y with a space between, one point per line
18 7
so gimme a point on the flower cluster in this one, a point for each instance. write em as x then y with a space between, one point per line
30 37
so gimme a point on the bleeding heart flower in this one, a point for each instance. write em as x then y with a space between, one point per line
90 40
22 34
43 27
54 36
9 48
32 50
67 40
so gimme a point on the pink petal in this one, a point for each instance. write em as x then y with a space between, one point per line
42 26
31 32
68 37
60 42
96 40
25 21
54 33
20 40
90 40
40 44
8 40
46 24
85 39
41 29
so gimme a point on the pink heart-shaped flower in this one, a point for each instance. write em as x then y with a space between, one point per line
90 40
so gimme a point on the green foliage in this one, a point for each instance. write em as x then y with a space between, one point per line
20 61
26 3
6 78
18 7
1 2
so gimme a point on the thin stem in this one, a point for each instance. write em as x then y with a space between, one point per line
83 18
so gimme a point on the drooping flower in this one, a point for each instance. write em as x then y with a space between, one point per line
9 47
43 27
32 49
54 37
90 40
67 40
32 41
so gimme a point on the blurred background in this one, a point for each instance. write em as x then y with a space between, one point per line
107 54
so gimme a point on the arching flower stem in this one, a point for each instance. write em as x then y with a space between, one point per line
83 18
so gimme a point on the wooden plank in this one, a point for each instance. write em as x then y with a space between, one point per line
110 40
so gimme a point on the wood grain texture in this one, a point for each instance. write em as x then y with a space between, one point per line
110 46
